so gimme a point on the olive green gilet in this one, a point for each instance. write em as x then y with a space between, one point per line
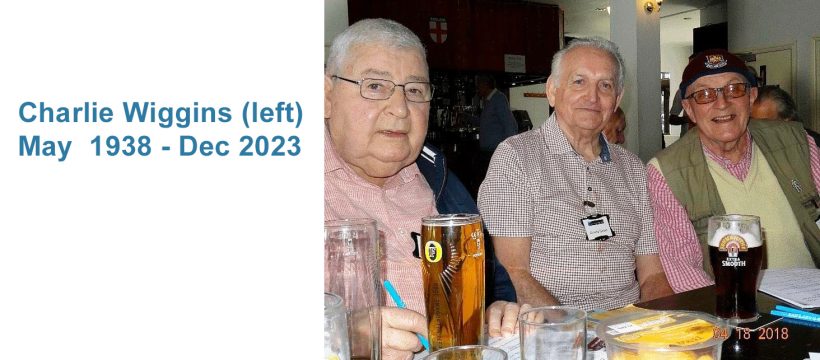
785 148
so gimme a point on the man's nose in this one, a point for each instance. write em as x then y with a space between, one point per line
397 103
592 93
721 99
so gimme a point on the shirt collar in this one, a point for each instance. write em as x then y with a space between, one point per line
490 95
332 160
557 142
725 162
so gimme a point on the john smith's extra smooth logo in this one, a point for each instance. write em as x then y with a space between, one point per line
715 61
732 245
432 251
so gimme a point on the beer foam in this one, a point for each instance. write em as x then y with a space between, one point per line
751 238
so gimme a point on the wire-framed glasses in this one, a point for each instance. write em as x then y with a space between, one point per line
380 89
708 95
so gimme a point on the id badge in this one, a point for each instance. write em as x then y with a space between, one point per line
597 227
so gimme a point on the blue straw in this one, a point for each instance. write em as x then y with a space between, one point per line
397 299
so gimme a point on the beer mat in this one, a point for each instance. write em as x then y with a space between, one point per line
596 316
763 321
799 287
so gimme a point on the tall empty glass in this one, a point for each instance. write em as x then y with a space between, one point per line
352 271
553 333
736 255
453 273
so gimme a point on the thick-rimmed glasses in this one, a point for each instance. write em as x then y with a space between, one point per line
708 95
380 89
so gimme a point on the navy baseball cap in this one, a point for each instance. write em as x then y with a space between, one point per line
714 61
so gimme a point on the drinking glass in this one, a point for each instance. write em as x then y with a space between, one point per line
553 333
452 268
352 271
736 256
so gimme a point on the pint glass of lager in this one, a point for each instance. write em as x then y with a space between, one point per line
452 253
736 255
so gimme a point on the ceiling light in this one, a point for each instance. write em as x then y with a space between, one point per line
652 6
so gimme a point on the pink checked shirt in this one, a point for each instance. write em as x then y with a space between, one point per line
397 207
678 243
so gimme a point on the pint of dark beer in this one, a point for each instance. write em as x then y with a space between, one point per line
736 255
452 253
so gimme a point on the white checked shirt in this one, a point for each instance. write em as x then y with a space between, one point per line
537 186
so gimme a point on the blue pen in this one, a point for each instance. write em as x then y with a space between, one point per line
790 315
793 310
788 312
397 299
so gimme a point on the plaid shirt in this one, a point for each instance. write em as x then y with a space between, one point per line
537 186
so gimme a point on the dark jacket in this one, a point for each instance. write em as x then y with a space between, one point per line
452 197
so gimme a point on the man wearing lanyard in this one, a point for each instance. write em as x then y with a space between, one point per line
568 211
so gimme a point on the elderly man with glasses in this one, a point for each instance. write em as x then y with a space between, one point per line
377 102
732 164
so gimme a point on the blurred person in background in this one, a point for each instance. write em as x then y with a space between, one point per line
776 104
615 127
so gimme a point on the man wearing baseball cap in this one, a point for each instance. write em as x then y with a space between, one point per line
732 164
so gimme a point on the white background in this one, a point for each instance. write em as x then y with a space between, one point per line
160 257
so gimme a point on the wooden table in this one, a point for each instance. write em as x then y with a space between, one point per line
782 340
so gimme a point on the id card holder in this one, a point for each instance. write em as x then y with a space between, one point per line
597 227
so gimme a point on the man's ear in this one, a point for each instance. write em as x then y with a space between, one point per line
752 96
688 108
328 90
550 90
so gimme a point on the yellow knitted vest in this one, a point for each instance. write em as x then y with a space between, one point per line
783 240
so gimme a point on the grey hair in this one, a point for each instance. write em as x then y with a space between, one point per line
593 42
786 109
371 31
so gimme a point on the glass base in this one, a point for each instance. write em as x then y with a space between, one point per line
734 322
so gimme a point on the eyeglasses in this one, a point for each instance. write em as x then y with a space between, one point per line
708 95
380 89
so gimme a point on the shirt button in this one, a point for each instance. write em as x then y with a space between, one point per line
589 188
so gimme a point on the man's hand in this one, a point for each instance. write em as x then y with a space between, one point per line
399 329
502 318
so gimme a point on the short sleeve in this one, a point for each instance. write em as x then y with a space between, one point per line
503 198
